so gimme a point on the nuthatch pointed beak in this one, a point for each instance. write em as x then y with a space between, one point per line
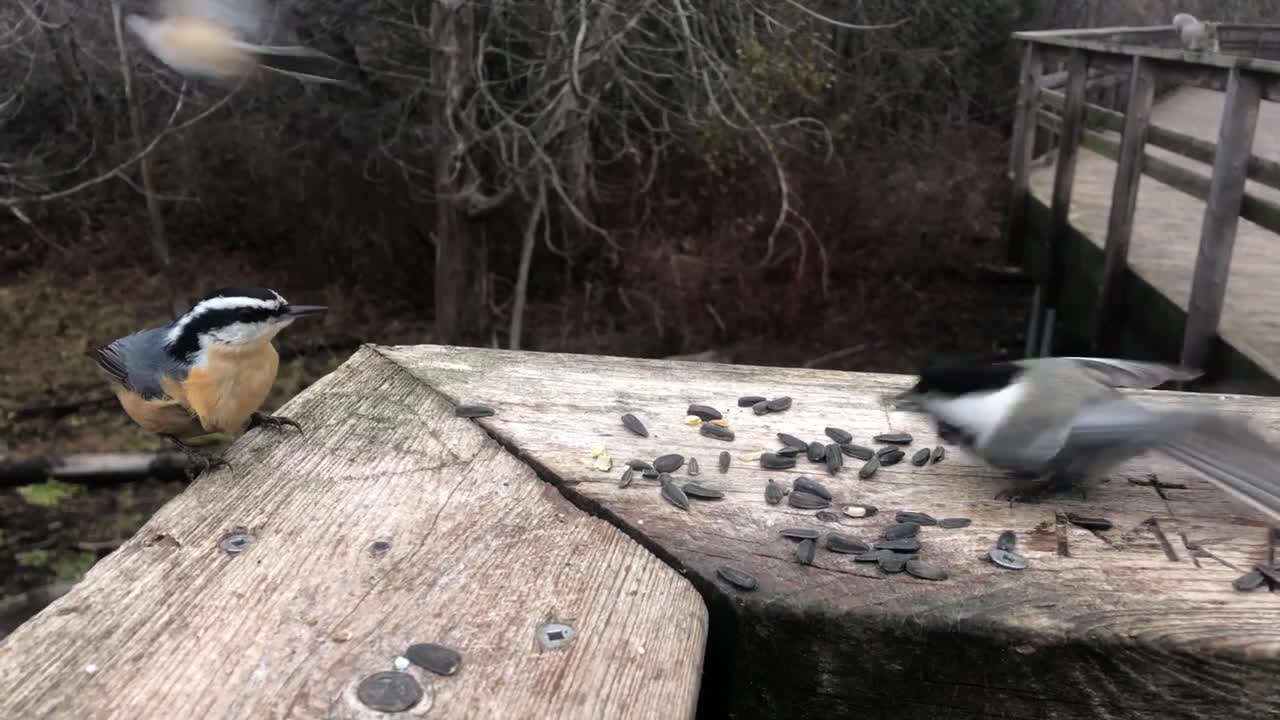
299 311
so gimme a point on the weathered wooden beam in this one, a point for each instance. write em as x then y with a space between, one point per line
1022 146
1086 33
1263 171
844 639
1221 217
1208 76
1176 56
1257 210
277 587
1063 179
1124 199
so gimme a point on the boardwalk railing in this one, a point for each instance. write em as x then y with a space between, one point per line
1149 59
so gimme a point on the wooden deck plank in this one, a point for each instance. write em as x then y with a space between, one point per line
1167 224
1107 625
481 553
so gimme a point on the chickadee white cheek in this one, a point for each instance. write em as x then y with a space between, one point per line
978 413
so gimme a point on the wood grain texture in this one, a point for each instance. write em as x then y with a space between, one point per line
481 552
1100 625
1167 223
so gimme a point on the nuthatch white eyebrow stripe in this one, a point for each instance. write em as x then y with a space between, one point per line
208 371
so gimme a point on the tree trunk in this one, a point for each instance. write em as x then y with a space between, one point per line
461 308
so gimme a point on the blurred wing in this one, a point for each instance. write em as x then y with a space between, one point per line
249 19
1127 373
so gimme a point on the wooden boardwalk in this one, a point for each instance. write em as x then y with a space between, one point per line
1167 222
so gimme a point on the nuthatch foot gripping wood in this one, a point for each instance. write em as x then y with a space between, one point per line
206 372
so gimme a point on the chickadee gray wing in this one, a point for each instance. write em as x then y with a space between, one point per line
1118 373
1230 454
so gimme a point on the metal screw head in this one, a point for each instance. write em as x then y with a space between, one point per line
1008 559
389 691
554 636
236 541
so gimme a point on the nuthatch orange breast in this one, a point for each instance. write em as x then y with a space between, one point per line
212 39
208 371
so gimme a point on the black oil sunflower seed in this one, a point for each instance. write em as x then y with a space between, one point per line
702 492
1251 580
893 563
954 523
826 516
939 452
872 555
473 411
925 571
779 404
846 544
897 438
649 473
632 423
805 500
668 463
892 458
857 452
736 577
881 452
674 495
438 659
919 518
773 493
921 457
835 460
1089 523
789 451
627 476
901 545
806 551
749 400
869 468
773 461
706 412
808 484
900 531
693 466
816 452
1007 541
799 533
792 441
639 465
840 436
716 432
724 461
761 407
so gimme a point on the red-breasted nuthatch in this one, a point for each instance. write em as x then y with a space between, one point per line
208 371
211 39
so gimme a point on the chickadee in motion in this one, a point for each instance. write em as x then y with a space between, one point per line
222 40
1056 421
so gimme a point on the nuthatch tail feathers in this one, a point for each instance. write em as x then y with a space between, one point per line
1063 418
209 39
208 371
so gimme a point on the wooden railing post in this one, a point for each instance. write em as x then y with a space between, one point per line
1221 216
1063 177
1124 199
1021 150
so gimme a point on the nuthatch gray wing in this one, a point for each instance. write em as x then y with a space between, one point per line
208 371
1064 419
212 39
